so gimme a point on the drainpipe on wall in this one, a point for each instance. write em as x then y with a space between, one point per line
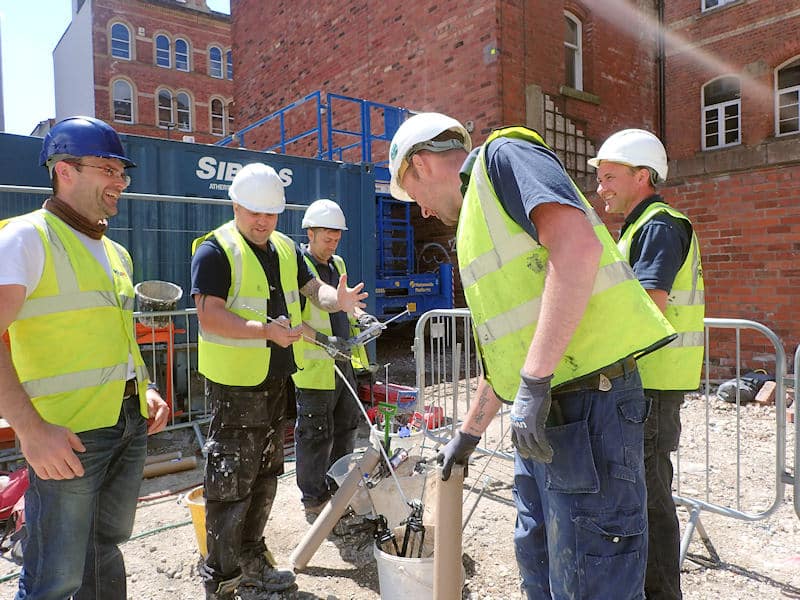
662 96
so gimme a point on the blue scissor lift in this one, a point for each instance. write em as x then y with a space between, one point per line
352 130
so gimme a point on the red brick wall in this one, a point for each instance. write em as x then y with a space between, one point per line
200 29
749 39
749 230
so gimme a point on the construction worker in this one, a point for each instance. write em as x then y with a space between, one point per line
558 319
661 246
74 386
246 282
327 413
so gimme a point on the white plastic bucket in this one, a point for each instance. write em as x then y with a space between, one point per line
156 296
409 442
360 502
403 578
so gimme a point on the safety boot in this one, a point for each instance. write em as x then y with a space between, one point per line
260 574
225 590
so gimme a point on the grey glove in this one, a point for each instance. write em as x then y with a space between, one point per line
528 417
366 320
455 451
334 345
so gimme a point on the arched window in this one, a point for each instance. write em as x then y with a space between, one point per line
721 113
123 101
120 41
573 51
787 98
163 51
184 111
215 62
229 65
217 117
182 55
165 109
230 118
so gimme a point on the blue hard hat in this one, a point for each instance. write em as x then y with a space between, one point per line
83 136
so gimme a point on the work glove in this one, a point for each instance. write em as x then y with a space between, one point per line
457 451
334 345
528 417
366 320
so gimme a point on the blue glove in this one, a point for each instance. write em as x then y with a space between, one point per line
455 451
334 345
528 417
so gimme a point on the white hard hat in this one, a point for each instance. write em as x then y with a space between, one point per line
324 213
259 188
417 134
636 148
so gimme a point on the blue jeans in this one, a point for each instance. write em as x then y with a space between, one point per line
75 525
326 430
581 530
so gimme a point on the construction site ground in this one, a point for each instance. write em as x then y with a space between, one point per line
758 559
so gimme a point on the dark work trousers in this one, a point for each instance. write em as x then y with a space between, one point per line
244 458
326 430
662 432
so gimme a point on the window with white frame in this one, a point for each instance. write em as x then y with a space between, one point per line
573 51
787 98
709 4
123 101
229 65
165 109
182 55
217 117
721 113
163 51
230 117
120 41
183 108
215 62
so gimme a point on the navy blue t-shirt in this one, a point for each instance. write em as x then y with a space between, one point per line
211 276
525 175
659 247
340 325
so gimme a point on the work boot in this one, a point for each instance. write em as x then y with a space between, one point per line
259 573
312 511
225 590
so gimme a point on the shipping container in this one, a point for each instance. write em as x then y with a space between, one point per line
159 232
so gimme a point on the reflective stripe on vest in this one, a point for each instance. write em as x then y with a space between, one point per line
503 271
318 372
232 361
678 365
76 305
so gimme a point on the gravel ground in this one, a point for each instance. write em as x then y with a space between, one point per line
758 558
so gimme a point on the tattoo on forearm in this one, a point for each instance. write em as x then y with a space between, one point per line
483 400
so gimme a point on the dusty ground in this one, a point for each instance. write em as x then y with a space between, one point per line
759 559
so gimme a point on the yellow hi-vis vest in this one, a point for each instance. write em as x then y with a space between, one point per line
318 372
71 340
503 273
676 366
232 361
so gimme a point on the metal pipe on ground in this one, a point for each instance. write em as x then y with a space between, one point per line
157 458
333 511
447 536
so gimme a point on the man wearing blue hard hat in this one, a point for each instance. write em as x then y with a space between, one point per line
74 386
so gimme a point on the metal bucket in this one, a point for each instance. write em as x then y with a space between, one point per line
156 296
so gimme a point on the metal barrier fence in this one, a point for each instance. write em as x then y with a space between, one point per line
714 472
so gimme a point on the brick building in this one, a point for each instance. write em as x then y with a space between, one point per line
577 71
733 138
159 68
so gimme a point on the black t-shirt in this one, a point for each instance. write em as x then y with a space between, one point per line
659 247
340 325
211 276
